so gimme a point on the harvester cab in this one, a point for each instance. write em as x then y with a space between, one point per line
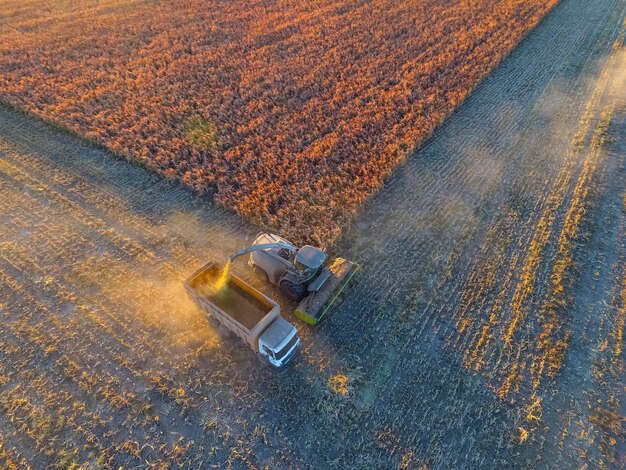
295 271
299 272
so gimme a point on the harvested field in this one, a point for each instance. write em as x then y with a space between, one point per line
291 112
485 329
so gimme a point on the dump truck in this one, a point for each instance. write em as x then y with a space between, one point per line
301 273
245 312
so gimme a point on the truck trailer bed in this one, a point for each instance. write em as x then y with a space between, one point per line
236 298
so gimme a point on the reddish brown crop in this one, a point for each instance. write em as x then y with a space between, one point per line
291 112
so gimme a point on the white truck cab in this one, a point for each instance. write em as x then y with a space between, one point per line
279 343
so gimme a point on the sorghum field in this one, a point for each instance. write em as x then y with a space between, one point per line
291 112
485 329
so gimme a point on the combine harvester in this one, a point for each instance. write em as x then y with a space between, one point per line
233 305
300 273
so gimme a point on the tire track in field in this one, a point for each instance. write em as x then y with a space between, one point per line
474 355
584 412
552 343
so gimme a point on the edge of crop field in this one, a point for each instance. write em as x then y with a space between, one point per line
207 194
418 146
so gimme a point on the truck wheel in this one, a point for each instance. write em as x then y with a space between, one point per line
224 332
213 322
220 329
260 273
293 291
265 363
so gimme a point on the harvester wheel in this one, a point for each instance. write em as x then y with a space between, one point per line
293 291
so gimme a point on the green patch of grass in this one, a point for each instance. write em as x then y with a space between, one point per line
201 133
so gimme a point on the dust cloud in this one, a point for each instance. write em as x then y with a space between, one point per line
162 306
